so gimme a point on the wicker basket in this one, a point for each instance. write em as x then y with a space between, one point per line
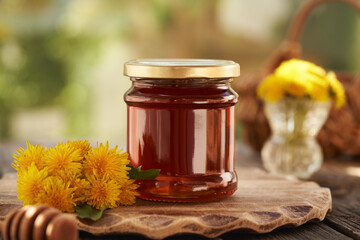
341 132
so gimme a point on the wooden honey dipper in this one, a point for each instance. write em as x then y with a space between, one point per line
39 222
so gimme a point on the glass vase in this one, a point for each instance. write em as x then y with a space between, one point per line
292 148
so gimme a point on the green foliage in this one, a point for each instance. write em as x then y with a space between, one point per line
87 211
39 77
137 173
330 35
31 75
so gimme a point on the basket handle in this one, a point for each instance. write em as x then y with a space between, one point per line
291 47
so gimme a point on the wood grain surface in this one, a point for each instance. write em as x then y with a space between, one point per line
262 203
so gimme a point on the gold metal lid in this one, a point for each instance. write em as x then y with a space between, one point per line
181 68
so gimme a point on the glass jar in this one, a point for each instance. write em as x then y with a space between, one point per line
181 121
292 148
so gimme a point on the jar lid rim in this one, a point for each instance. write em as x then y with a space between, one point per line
181 68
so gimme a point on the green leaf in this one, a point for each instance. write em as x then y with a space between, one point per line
137 173
87 211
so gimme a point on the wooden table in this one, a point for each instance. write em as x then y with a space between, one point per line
340 174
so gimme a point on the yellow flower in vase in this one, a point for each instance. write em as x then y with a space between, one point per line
319 93
336 89
269 89
296 116
301 79
295 88
300 71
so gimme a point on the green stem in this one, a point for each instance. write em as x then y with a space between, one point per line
299 109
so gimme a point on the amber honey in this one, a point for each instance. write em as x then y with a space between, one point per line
185 127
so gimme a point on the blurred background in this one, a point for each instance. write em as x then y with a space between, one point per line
61 61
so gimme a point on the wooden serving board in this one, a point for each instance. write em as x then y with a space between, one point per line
262 203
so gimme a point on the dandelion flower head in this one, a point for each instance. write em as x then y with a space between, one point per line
58 194
336 89
82 187
25 158
31 184
63 158
128 193
74 174
102 160
82 145
103 192
299 78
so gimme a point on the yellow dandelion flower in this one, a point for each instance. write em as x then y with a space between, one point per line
299 78
337 89
320 94
102 160
301 71
58 194
296 88
30 184
31 155
103 192
63 157
75 181
317 80
271 89
68 176
82 188
128 193
83 146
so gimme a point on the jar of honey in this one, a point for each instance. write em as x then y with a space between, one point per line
181 121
